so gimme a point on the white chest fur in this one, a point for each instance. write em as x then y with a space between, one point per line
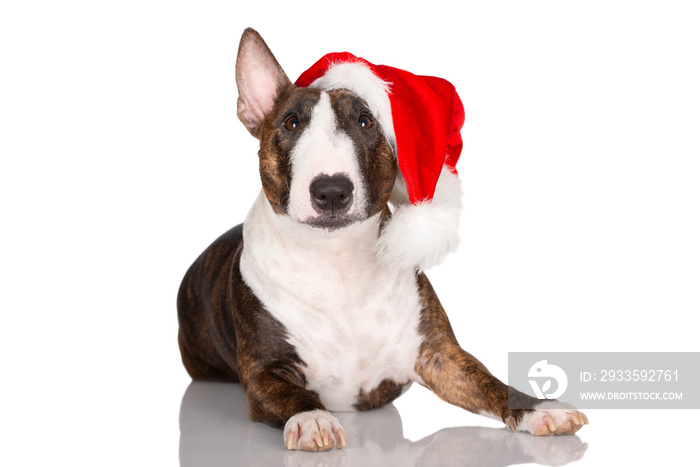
352 321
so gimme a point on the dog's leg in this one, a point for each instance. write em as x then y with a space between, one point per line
276 400
271 373
460 379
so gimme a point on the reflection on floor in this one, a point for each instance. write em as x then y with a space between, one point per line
215 430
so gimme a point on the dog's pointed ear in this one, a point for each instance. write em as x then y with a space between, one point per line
260 79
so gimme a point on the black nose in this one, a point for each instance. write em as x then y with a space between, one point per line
331 194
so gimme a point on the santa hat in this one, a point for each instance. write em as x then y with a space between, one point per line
422 117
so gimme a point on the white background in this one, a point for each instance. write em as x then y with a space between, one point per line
122 158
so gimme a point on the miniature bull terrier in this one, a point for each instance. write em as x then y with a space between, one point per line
318 301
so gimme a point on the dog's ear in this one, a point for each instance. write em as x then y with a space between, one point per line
260 80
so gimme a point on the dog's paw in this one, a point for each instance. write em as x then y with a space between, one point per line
550 418
316 430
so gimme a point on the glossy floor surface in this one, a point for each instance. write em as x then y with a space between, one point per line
215 431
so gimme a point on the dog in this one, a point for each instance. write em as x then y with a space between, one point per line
302 303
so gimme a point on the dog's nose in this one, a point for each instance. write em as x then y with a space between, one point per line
331 194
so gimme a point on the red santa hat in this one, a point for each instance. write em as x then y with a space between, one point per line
422 117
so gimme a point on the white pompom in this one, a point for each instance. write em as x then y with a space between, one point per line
420 236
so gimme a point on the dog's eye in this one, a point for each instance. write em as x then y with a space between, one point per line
292 123
365 122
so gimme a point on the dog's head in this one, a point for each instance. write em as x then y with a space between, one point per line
324 159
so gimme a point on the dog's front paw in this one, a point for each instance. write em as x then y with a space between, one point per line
548 418
316 430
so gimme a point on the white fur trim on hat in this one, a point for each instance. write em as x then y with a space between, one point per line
358 78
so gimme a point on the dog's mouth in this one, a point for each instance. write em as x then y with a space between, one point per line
332 221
